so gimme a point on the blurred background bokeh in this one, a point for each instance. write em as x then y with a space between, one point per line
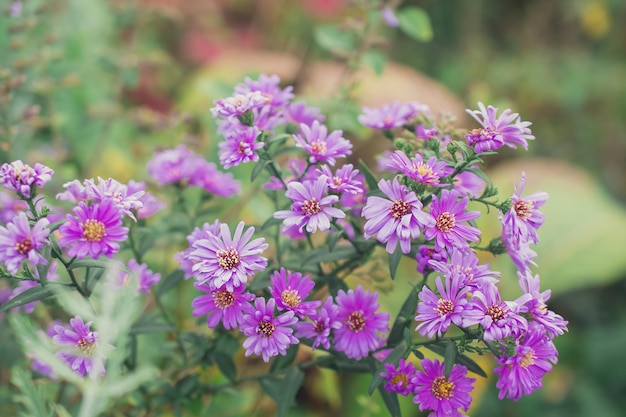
106 82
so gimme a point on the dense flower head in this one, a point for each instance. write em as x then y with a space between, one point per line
321 146
436 313
267 334
521 222
522 373
207 176
400 379
172 165
238 104
424 172
323 321
397 218
360 324
344 180
10 207
299 113
290 289
448 212
93 230
425 254
467 265
533 304
388 116
19 242
117 192
269 88
223 261
240 147
311 206
22 178
78 346
221 305
442 395
506 129
184 259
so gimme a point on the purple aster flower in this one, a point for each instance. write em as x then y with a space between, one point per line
468 183
93 230
520 252
437 313
111 189
145 278
18 242
206 176
533 303
238 104
467 265
10 207
240 147
293 232
150 204
267 335
397 219
360 324
448 212
388 116
75 191
323 321
523 219
522 373
428 172
172 165
225 262
79 346
289 289
391 20
185 261
425 133
506 129
499 319
269 87
310 208
322 147
21 178
221 305
345 180
400 378
425 254
443 396
299 113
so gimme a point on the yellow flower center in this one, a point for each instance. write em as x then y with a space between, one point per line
401 378
223 299
523 209
528 359
318 147
228 258
356 321
311 207
442 388
86 348
446 222
266 328
444 307
496 312
93 230
291 298
399 209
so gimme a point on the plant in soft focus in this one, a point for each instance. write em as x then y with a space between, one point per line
281 284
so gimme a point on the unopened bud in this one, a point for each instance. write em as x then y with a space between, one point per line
496 246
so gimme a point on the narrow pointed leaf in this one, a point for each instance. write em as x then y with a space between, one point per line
449 357
370 178
394 261
28 296
391 401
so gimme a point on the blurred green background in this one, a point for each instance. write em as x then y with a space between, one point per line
106 82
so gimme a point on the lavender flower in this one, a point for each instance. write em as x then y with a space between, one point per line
310 207
425 254
74 192
345 180
206 176
390 19
172 165
522 373
436 314
21 178
388 116
267 335
238 104
299 113
533 303
240 147
506 129
360 324
428 172
10 207
323 321
443 396
145 278
467 265
468 183
18 242
117 192
221 305
289 289
269 87
400 379
397 219
523 219
150 204
94 230
184 259
225 262
321 146
448 212
520 252
78 346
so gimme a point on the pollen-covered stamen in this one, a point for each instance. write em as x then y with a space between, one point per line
291 298
400 378
523 209
482 134
24 246
238 100
228 258
266 328
93 230
244 148
528 359
356 321
311 207
86 348
318 147
446 222
399 209
442 388
25 172
319 326
223 299
444 307
496 312
423 170
268 97
337 182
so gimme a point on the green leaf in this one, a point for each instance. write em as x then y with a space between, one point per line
391 401
325 255
28 296
449 357
370 178
170 281
332 39
271 222
440 349
374 60
407 312
333 238
281 362
258 168
226 365
394 261
415 23
89 263
480 173
283 390
261 280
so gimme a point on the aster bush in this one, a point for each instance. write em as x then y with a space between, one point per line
285 284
